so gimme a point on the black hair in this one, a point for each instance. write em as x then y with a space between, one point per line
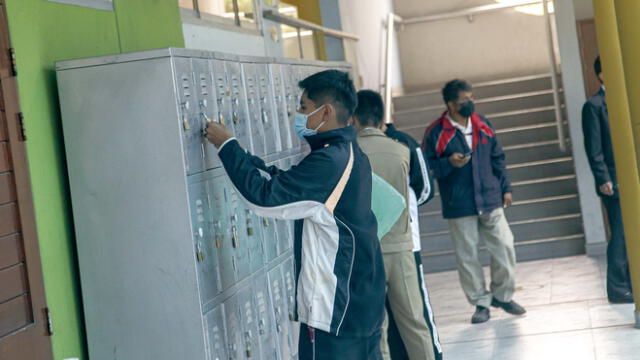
597 66
451 91
370 110
335 87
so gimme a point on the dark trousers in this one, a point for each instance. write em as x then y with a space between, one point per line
618 277
315 344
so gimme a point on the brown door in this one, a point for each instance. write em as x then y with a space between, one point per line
588 53
24 334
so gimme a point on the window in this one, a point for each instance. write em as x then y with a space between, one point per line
236 12
294 44
96 4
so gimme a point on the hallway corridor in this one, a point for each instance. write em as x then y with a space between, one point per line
569 317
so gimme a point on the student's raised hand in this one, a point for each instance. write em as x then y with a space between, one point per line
216 134
459 160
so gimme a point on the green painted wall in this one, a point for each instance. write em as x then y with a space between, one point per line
43 33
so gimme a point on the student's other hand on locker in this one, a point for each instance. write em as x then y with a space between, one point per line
216 133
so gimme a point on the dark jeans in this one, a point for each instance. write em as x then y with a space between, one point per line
618 278
328 347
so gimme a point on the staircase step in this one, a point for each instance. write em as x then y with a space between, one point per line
523 231
516 118
533 151
480 90
523 191
541 169
520 211
525 251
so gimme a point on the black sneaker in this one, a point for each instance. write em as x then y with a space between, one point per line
511 307
481 315
626 298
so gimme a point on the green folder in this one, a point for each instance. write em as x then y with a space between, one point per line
387 204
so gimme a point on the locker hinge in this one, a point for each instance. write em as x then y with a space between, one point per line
22 132
48 322
12 60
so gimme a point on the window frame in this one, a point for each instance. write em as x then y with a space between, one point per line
195 16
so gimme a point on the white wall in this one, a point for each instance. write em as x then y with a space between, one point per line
492 46
574 91
583 9
365 19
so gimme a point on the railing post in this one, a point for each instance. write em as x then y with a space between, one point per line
391 17
554 78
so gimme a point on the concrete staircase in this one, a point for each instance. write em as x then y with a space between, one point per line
545 218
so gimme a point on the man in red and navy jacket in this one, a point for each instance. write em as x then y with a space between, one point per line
469 164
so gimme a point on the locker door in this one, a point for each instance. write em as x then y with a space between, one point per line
250 81
280 312
267 111
282 226
269 230
189 116
220 226
239 242
255 240
238 102
233 322
250 340
216 334
280 106
205 249
266 320
207 108
288 274
292 100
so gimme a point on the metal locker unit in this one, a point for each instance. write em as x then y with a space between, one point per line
216 334
255 238
234 99
252 108
281 107
292 99
203 76
204 244
249 316
269 349
239 239
267 109
162 236
280 312
233 325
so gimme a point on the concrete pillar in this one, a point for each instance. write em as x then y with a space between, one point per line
617 78
573 85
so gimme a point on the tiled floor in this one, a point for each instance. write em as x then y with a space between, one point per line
568 316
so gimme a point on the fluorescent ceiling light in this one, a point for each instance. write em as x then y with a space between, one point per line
534 9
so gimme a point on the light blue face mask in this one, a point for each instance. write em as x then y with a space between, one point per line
301 124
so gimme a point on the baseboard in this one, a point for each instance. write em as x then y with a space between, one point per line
596 249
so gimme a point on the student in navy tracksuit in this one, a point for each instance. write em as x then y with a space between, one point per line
468 162
340 274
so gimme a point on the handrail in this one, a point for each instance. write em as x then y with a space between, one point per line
391 19
468 12
298 23
554 78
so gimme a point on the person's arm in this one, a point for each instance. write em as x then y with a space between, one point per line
294 194
440 166
593 144
498 165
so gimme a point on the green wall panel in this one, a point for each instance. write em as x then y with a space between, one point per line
43 33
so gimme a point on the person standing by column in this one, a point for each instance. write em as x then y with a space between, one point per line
597 143
469 164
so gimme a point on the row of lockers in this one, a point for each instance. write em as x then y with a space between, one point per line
173 263
254 98
230 241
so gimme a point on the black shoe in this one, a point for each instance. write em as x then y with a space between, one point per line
481 315
511 307
626 298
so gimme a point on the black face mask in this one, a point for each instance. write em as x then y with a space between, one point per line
466 109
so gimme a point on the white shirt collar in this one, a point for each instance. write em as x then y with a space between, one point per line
465 130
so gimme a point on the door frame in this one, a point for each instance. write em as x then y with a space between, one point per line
21 343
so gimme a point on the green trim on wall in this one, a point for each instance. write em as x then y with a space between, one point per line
43 33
